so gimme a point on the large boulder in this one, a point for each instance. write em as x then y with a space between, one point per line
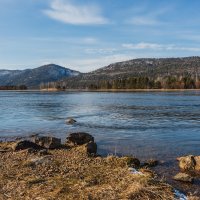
91 148
79 139
189 163
47 142
183 177
24 144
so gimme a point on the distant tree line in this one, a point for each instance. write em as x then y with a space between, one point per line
13 87
142 82
147 83
51 85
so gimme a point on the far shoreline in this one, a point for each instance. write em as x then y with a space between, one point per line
102 90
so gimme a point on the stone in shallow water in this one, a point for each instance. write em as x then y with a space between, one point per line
183 177
70 121
79 138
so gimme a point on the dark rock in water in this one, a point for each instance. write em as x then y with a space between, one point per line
91 148
132 161
25 144
183 177
70 121
79 139
189 163
151 163
47 142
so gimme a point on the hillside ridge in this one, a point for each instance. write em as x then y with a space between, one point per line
32 78
141 73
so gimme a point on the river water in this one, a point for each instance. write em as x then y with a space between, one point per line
159 125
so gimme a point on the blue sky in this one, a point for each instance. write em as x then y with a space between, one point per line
88 34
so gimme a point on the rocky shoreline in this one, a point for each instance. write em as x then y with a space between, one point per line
44 168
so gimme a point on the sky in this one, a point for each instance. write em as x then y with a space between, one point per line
88 34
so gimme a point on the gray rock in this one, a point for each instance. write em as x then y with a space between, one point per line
183 177
25 144
91 148
47 142
79 138
70 121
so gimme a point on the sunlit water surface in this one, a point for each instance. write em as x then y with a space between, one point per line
160 125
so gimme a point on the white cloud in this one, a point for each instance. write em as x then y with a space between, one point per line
69 40
143 45
69 13
100 50
155 46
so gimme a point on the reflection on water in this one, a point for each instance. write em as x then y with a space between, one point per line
146 124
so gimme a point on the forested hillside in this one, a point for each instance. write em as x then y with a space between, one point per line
171 73
32 78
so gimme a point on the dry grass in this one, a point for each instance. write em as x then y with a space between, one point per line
72 174
193 198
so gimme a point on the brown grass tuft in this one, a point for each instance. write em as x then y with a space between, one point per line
72 174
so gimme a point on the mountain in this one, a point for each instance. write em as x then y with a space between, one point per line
32 78
141 73
161 70
153 67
